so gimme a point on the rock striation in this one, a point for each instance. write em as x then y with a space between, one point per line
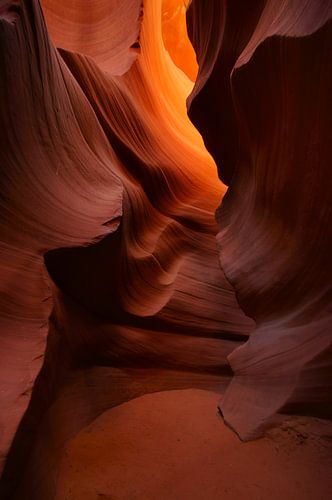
262 103
117 278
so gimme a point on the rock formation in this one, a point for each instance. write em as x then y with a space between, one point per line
263 104
112 284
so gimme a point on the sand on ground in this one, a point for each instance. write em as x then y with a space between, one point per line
174 445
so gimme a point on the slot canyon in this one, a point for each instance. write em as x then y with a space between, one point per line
166 249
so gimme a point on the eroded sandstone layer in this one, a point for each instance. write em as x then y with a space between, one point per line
112 285
262 101
93 156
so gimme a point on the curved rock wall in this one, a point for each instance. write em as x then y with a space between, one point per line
108 231
58 186
111 183
264 110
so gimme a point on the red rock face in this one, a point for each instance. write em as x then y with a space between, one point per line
54 177
112 285
270 94
93 157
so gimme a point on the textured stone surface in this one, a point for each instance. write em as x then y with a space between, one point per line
263 104
112 285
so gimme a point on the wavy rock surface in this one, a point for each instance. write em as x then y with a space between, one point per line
107 178
58 186
111 283
263 104
105 30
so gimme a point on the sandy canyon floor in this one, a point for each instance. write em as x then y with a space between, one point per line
174 445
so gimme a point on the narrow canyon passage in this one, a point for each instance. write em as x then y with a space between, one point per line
166 249
147 308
